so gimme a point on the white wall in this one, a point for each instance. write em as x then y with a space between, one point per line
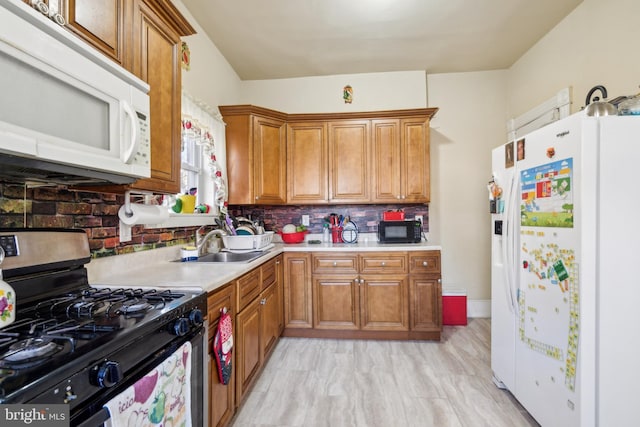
371 92
471 121
596 44
210 79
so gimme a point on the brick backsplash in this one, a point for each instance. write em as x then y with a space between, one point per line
97 214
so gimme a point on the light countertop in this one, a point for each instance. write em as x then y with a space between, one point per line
157 268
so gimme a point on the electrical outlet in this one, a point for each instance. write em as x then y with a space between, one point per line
305 220
419 218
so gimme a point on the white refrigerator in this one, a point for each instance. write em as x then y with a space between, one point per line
565 206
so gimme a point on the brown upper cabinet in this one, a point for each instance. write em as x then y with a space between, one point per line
143 36
100 23
157 28
256 155
349 170
307 163
368 157
400 160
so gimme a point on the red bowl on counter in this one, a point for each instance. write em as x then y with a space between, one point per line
297 237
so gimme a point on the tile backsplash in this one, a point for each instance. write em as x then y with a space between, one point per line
366 217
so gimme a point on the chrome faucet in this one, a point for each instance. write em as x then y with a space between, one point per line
202 242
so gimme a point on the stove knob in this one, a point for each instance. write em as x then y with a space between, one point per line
69 395
196 317
107 374
181 327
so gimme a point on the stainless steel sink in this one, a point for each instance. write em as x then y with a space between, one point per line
230 257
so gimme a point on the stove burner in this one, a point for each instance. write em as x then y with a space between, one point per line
53 307
29 350
135 306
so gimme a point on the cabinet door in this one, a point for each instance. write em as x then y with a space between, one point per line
221 398
99 23
156 60
335 302
414 154
349 161
280 290
239 158
269 162
247 345
384 302
297 291
385 169
270 304
307 163
426 303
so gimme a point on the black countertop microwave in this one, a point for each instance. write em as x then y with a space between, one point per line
400 231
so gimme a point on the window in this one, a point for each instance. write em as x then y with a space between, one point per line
203 154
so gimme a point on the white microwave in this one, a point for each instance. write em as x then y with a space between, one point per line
67 113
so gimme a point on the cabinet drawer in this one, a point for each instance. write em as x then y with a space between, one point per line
427 262
248 288
335 263
268 273
384 263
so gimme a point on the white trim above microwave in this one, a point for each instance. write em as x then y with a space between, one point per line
67 105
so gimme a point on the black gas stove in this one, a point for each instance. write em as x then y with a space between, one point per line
74 344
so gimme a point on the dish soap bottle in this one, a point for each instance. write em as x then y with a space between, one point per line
326 236
7 298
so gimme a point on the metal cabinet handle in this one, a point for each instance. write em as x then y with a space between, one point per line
263 301
383 263
335 264
257 197
424 263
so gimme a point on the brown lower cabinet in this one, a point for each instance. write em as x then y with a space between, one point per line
360 292
258 325
221 397
380 295
255 302
297 291
425 291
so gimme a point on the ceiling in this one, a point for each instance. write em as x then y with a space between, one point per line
300 38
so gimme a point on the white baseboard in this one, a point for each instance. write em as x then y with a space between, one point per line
479 308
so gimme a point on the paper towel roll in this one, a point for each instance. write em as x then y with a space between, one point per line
143 214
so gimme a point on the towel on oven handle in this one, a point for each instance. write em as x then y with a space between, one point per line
222 346
163 396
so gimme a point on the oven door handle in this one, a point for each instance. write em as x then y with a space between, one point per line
96 419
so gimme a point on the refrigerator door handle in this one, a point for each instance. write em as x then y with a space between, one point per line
509 247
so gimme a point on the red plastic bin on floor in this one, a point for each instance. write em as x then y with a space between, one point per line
454 307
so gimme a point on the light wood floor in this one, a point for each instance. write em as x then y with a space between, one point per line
335 383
